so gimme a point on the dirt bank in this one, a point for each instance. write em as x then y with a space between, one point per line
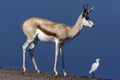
10 74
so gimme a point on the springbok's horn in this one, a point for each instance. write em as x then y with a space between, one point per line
90 10
85 6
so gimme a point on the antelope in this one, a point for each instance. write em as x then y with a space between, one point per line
39 29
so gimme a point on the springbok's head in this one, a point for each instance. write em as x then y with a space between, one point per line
86 18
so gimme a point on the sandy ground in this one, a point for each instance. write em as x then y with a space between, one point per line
10 74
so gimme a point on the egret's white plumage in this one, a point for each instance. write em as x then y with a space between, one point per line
94 66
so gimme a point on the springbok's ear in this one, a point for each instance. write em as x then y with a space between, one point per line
87 11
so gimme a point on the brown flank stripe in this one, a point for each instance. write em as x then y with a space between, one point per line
46 32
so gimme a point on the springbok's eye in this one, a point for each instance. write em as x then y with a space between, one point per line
87 17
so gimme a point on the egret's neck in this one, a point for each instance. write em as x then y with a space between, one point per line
97 62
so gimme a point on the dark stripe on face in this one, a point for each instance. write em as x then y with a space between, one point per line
46 32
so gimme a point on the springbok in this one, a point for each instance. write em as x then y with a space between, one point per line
45 30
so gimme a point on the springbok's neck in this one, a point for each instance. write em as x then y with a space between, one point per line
75 30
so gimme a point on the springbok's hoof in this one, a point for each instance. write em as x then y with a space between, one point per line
65 74
38 72
56 74
23 72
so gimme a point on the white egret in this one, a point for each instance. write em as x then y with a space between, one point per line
94 67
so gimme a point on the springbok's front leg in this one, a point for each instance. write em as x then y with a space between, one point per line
62 55
57 47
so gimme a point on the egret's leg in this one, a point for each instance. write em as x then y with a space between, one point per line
93 75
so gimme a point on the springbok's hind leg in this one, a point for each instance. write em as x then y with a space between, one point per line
31 49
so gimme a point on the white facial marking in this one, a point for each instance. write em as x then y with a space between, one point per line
88 23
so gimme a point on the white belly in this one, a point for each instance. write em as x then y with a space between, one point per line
45 38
